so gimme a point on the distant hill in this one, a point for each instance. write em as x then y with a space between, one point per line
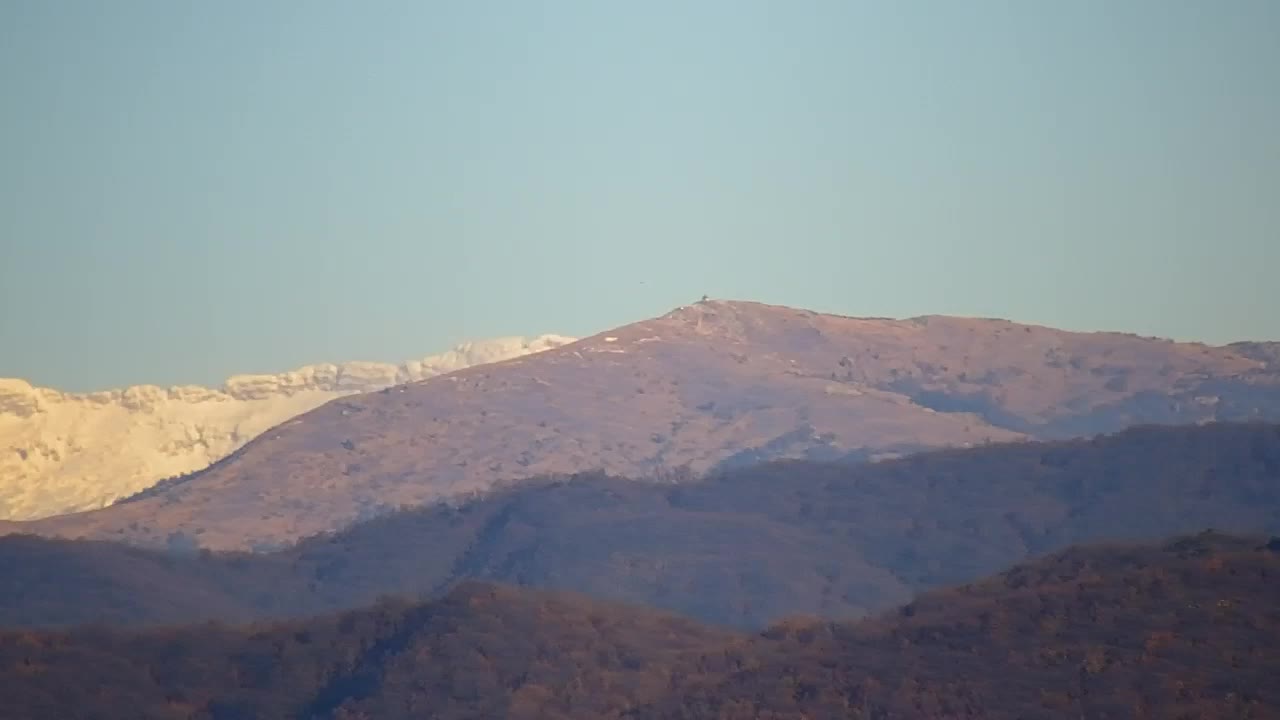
479 652
1265 352
742 547
65 452
707 384
1184 629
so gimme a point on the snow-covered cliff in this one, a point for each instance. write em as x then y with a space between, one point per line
65 452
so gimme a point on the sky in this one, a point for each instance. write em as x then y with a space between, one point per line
190 190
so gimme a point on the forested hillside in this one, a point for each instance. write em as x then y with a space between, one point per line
1186 628
479 652
740 548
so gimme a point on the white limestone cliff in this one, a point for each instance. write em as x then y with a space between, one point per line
66 452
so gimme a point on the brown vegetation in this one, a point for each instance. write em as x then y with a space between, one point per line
1185 629
480 652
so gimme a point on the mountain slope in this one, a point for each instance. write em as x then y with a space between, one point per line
743 547
713 383
64 452
480 652
1187 629
1182 629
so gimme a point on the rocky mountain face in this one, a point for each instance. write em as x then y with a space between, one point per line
65 452
707 385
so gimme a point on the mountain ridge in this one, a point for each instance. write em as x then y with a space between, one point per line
62 452
691 389
740 547
1182 627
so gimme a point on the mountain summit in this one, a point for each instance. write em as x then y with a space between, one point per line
710 384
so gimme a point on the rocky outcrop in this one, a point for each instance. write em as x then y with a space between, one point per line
63 452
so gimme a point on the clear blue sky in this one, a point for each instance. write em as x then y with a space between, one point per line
191 189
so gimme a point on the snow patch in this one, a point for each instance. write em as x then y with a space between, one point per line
68 452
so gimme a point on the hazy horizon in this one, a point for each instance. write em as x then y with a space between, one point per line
192 191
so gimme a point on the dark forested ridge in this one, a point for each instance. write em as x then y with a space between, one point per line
479 652
1186 628
740 548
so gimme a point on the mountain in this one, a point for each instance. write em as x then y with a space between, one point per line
479 652
742 547
1183 630
64 452
1186 628
706 385
1267 353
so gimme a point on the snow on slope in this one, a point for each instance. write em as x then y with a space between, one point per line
64 452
